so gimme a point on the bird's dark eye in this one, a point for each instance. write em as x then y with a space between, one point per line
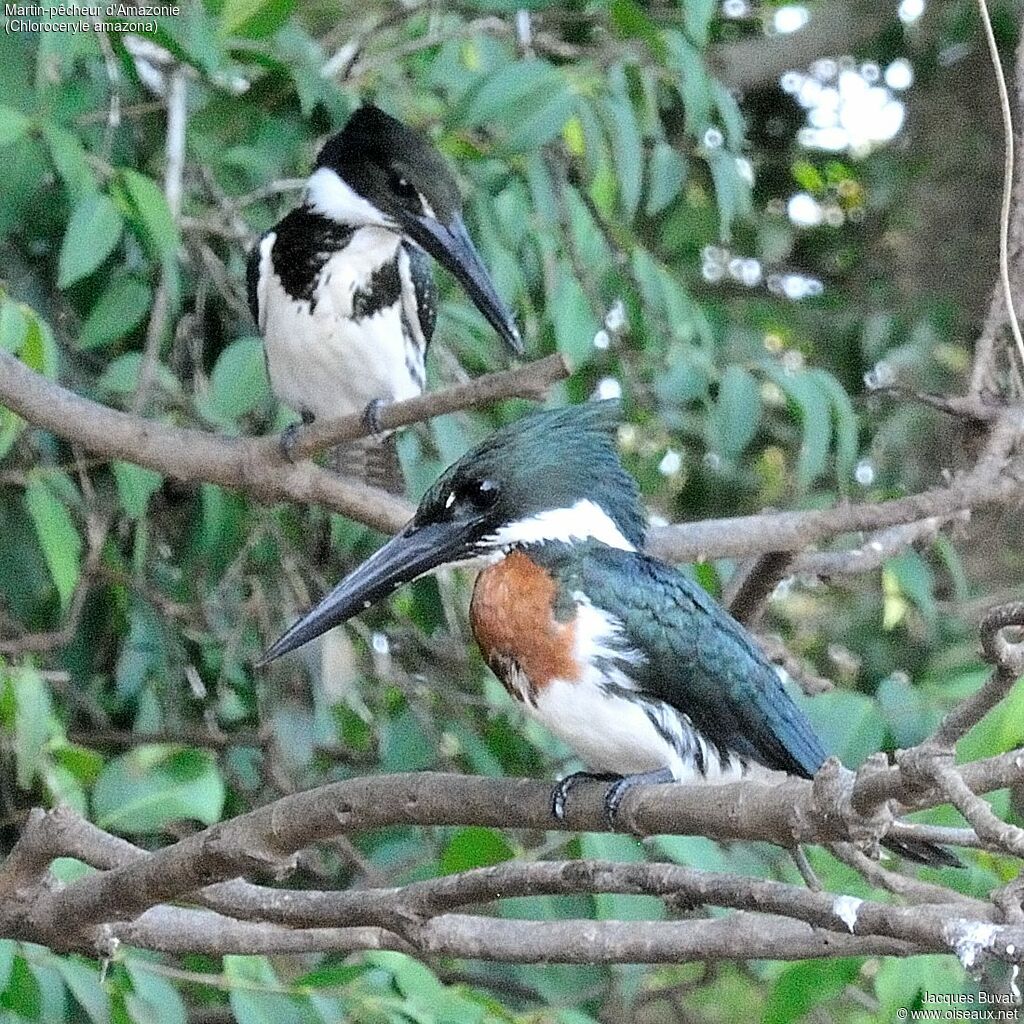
402 187
481 494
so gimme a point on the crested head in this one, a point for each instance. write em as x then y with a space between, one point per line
553 476
393 169
378 173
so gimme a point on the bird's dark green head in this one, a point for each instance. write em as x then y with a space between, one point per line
379 172
552 477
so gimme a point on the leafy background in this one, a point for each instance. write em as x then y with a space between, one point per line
633 206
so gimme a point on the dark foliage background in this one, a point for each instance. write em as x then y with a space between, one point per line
630 172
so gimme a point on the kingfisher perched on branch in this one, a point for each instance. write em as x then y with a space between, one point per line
629 662
342 291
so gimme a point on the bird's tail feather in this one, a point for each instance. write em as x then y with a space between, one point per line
923 852
373 460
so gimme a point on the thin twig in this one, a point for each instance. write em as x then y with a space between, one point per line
1008 164
531 381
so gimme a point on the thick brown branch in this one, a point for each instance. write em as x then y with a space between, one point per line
265 839
256 467
176 930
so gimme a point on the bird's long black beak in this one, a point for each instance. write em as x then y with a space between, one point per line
415 551
452 247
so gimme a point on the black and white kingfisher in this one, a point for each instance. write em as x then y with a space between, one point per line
629 662
340 288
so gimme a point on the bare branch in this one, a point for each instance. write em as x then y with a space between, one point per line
530 381
1008 660
256 467
875 551
253 465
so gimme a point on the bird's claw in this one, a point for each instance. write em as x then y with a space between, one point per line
613 799
372 414
560 792
287 440
623 784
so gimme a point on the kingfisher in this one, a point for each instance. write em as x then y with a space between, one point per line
341 288
629 662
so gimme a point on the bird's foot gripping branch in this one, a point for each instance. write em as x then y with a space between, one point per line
208 893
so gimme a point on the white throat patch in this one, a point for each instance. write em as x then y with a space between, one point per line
585 520
328 193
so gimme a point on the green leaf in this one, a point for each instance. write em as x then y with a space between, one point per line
1001 729
737 413
143 653
910 717
49 992
70 159
916 581
814 411
631 21
152 785
152 214
13 326
695 86
135 486
509 94
849 724
122 374
627 144
84 982
117 312
238 382
254 18
250 1005
732 193
414 980
474 847
8 950
697 16
844 422
803 986
900 980
194 32
155 1000
92 233
58 536
39 349
667 175
32 723
13 125
545 121
404 745
573 319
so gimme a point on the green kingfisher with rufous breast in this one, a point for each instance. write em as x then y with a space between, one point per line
629 662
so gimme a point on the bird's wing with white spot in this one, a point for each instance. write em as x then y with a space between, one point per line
701 661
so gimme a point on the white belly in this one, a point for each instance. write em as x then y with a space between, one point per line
613 733
321 361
